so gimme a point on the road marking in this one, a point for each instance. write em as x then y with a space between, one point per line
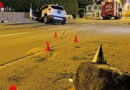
88 24
29 56
13 34
32 50
56 28
61 27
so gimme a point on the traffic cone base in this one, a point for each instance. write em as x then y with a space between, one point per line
47 50
72 88
12 87
99 57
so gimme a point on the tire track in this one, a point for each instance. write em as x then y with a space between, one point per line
66 41
30 55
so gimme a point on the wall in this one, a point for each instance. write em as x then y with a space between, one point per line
92 11
13 17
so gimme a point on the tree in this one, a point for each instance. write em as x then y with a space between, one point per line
123 1
82 4
71 6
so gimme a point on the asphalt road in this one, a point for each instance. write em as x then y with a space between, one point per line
17 40
21 65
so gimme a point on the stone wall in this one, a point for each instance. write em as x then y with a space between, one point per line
13 17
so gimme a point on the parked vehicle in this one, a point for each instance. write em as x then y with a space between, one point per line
50 13
111 9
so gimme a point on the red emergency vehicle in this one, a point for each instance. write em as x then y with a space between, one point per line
111 9
1 6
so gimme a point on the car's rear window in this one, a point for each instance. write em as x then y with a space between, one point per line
57 7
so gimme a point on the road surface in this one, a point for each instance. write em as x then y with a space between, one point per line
19 42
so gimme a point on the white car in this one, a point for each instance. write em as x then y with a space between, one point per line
51 13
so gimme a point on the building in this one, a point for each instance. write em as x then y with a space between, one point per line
126 6
94 10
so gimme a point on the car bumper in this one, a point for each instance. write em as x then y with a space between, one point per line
56 18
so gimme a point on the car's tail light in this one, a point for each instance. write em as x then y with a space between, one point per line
49 9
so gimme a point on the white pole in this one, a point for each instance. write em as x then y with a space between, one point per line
84 10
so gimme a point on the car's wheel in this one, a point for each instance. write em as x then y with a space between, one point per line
116 18
104 18
42 19
63 22
107 18
46 20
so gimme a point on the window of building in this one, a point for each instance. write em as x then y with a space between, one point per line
128 8
100 8
95 7
89 8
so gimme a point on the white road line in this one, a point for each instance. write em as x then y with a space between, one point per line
13 34
73 26
56 28
88 24
61 28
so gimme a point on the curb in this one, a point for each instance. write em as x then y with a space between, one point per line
3 21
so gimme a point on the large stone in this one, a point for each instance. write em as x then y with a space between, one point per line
91 76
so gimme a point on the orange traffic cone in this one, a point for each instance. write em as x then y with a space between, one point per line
47 49
12 87
55 35
75 39
72 88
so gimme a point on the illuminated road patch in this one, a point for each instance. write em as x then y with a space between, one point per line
5 35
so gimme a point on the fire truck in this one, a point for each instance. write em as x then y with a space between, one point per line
1 6
111 9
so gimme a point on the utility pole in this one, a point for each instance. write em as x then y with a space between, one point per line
84 10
